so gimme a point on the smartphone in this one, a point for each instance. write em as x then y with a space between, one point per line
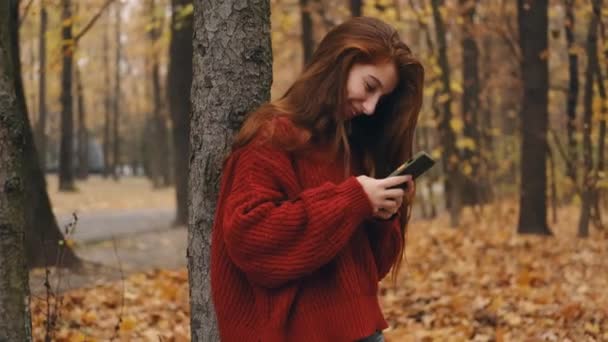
419 164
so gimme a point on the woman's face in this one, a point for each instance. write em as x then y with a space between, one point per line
366 85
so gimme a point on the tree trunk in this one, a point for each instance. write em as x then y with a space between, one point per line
572 92
116 160
308 42
179 82
15 322
601 145
161 157
472 192
107 122
83 136
232 62
41 126
533 23
590 73
356 7
42 234
450 156
66 150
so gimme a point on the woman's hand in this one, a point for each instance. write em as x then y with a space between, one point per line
386 201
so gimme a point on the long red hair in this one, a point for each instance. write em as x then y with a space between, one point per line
314 104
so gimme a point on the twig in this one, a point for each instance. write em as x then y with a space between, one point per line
92 21
26 10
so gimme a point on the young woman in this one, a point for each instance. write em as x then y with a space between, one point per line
306 224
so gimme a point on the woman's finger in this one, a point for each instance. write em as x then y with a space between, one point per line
394 193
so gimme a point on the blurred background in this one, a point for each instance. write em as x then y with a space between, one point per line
106 83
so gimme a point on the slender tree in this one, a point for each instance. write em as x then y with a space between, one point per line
107 122
179 82
533 41
41 126
66 170
308 42
82 146
232 62
450 157
161 174
593 69
572 91
116 158
15 323
356 7
472 193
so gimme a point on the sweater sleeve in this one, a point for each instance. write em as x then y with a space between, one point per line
275 239
385 241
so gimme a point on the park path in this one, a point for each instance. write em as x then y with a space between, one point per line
104 225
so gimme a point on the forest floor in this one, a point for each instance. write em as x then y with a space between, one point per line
479 282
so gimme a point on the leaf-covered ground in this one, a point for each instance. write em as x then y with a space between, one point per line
479 282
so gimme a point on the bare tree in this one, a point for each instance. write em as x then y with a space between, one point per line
179 82
234 65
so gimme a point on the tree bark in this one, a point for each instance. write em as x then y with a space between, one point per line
590 73
66 151
232 76
82 135
472 192
572 92
308 42
179 82
15 322
533 23
356 8
116 160
107 122
41 126
161 175
42 234
450 157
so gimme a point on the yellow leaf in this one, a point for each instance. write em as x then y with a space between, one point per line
77 337
466 143
457 125
456 87
89 317
436 153
127 324
467 169
185 11
443 98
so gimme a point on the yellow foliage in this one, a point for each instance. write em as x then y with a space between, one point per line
456 87
457 125
466 143
127 324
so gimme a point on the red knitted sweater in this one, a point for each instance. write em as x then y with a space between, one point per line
296 254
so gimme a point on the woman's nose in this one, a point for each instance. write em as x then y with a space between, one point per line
369 106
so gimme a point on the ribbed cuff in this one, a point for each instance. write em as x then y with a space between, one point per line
360 207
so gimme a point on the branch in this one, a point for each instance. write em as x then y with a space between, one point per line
25 12
92 21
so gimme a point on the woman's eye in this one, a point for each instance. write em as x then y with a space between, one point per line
368 87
